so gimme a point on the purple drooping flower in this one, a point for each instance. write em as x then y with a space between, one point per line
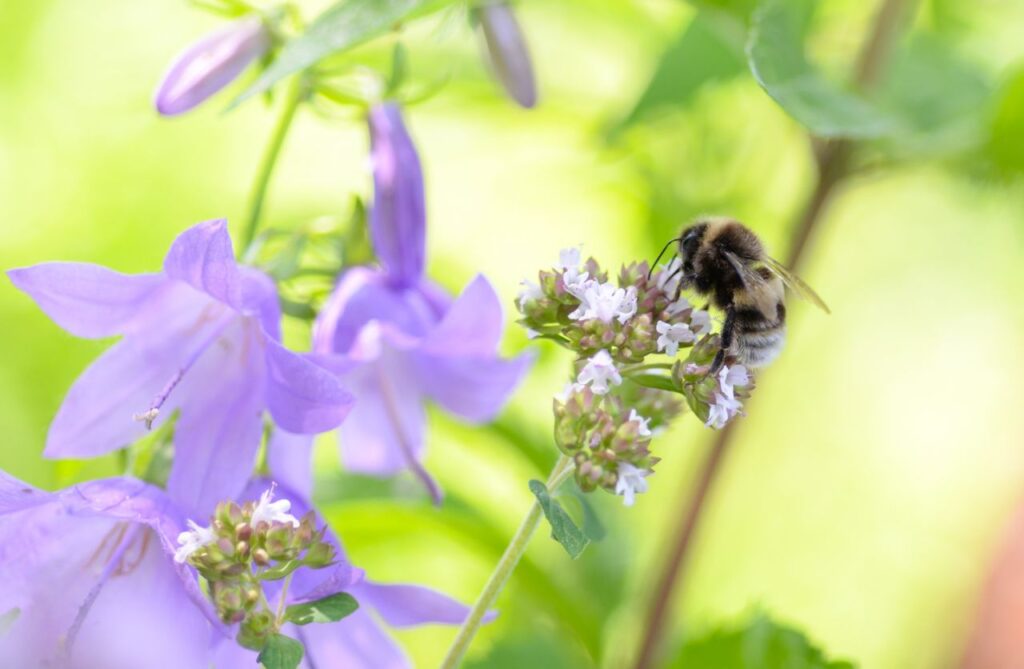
211 64
507 52
396 339
89 580
202 337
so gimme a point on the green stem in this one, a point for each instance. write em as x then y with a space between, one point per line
293 97
506 565
279 619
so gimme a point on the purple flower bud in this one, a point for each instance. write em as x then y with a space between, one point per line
507 51
398 220
211 64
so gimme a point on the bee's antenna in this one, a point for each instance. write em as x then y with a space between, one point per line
664 248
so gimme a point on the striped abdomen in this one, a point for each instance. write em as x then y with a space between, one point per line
758 340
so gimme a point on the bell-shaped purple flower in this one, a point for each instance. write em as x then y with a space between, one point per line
507 52
89 580
201 337
211 64
396 339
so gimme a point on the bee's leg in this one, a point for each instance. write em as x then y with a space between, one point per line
728 335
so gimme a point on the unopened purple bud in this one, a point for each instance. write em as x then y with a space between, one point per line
507 52
211 64
398 220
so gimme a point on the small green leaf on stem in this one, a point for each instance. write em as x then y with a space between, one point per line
327 610
655 381
281 652
593 528
563 530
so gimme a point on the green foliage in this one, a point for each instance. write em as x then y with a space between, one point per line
563 529
593 528
327 610
709 49
761 644
344 25
281 652
1006 134
776 56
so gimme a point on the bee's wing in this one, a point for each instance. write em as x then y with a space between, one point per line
796 284
744 271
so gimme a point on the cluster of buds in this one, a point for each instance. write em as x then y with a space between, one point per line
606 417
246 547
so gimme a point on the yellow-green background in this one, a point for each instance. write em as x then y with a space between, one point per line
882 453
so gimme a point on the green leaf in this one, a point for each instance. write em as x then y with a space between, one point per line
939 98
342 26
656 381
777 60
1006 133
280 570
593 528
761 644
709 49
563 530
281 652
327 610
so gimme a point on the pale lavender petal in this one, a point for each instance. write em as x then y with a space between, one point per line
218 432
290 460
508 52
409 605
383 434
398 215
203 258
211 64
303 397
473 388
259 297
472 326
87 300
362 296
356 642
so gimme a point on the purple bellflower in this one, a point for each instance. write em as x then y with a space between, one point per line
201 337
211 64
397 339
507 52
91 581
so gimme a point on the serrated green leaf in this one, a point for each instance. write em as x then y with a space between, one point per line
777 60
761 644
327 610
709 48
563 530
281 652
342 26
939 98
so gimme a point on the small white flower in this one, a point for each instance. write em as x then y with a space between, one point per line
604 302
642 429
272 512
569 258
730 377
722 411
569 262
700 322
665 284
567 391
672 335
531 333
529 291
631 481
679 306
192 540
600 373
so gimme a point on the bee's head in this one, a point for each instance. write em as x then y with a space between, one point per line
689 242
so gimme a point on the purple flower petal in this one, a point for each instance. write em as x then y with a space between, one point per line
202 257
357 642
398 216
211 64
302 396
289 458
218 433
508 52
409 605
87 300
473 388
472 326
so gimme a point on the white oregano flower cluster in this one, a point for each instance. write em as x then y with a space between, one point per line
265 511
726 406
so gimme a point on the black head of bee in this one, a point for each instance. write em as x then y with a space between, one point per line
689 243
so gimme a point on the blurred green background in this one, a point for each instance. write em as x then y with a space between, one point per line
882 454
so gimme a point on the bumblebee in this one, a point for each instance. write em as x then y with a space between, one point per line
724 261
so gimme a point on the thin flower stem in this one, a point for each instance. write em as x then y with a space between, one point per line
283 600
506 565
833 163
293 97
629 369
